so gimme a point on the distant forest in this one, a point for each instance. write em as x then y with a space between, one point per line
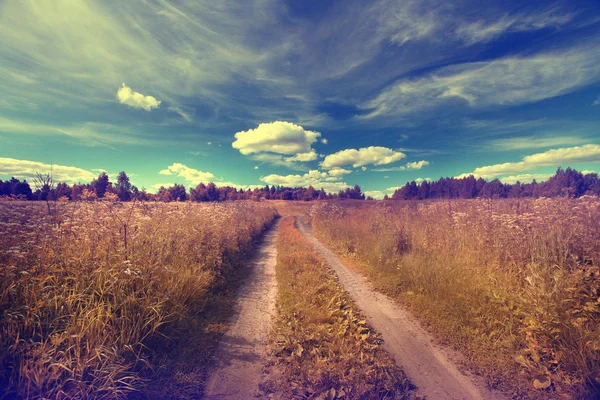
566 182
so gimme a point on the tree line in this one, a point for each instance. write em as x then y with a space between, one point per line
566 182
123 190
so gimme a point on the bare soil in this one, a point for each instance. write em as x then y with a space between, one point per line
430 367
240 357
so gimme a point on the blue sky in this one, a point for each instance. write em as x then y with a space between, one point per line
318 93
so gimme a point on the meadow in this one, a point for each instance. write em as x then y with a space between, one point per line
109 300
514 284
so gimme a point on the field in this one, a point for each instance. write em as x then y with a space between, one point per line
129 300
97 298
513 284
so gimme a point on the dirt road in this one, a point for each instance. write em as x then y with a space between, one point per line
239 358
428 366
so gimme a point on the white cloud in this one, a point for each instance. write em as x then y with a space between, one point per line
89 133
82 49
276 137
312 178
157 186
278 160
507 81
552 158
379 194
135 99
375 155
28 169
191 175
534 142
596 102
482 31
409 166
303 157
338 171
421 180
324 141
525 178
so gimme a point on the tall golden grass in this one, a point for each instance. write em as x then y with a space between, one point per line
324 349
94 296
514 284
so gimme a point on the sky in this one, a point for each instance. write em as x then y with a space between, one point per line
298 92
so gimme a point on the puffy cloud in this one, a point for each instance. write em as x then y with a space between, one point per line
551 158
324 141
338 171
314 178
525 178
421 180
191 175
276 137
379 194
408 166
28 169
303 157
135 99
375 155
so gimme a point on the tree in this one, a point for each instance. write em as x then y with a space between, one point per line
101 184
212 192
177 192
123 187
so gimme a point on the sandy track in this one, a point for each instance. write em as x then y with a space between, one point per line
429 367
241 353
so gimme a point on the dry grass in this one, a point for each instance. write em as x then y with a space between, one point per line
513 284
98 299
323 348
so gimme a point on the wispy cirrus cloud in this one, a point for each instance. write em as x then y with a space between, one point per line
506 81
533 142
409 166
89 133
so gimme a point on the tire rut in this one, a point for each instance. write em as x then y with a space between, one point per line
429 367
239 359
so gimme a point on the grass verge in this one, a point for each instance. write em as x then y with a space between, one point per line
323 348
